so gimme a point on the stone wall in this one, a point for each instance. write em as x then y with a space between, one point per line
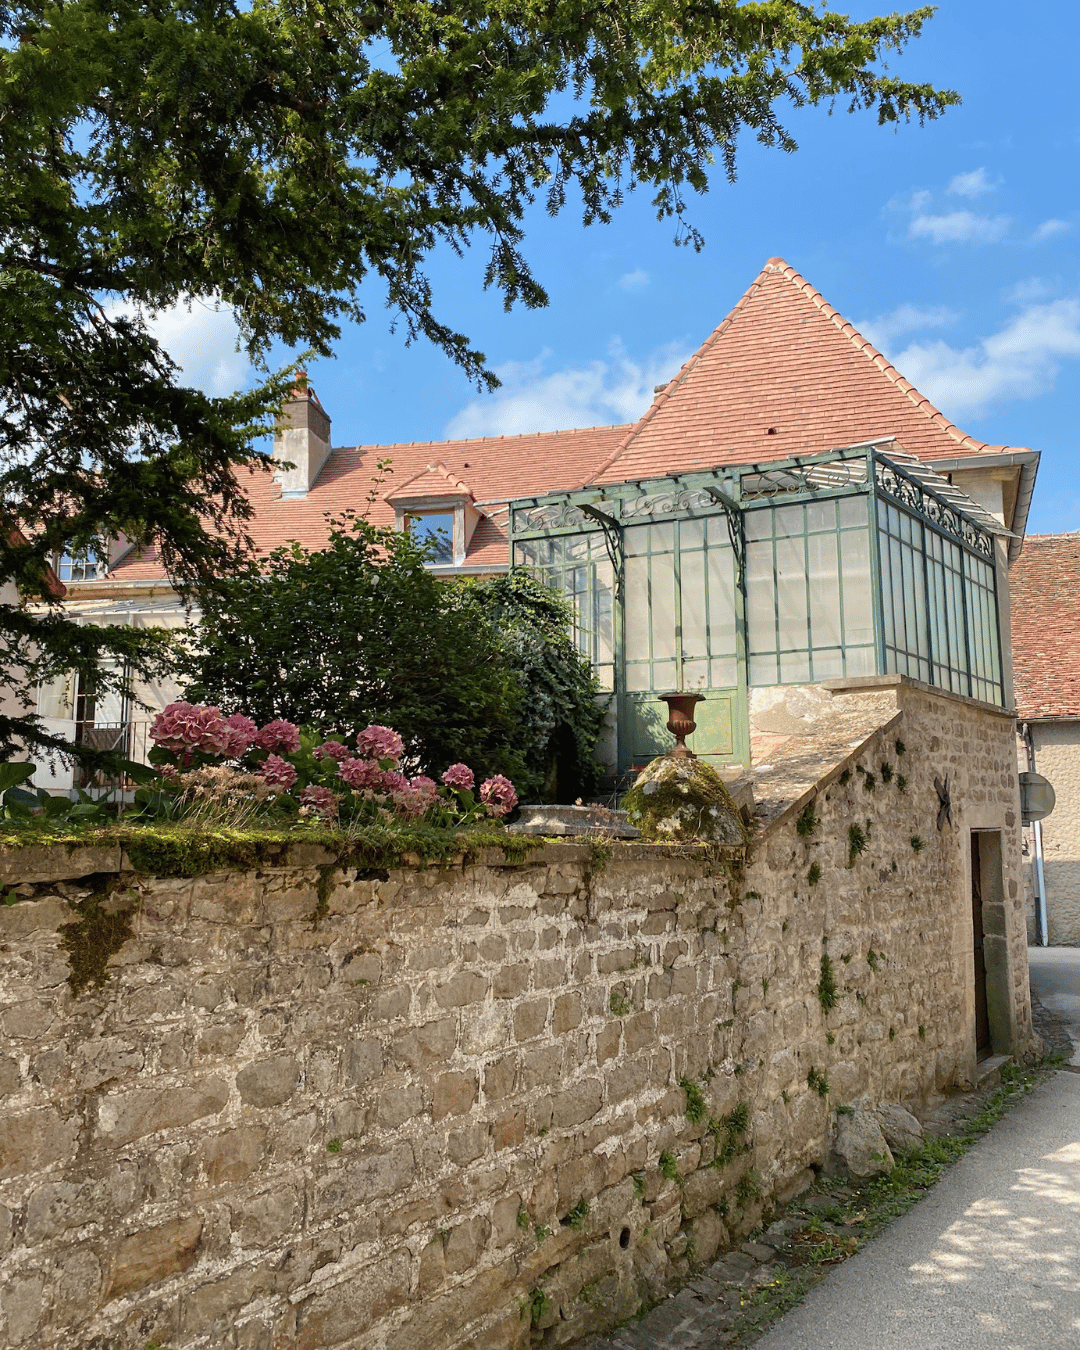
489 1106
1057 757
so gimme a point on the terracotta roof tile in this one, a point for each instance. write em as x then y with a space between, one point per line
495 468
1044 586
785 374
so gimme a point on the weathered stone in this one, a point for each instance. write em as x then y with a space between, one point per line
142 1111
900 1128
363 1179
432 1043
677 800
271 1082
20 1301
153 1254
363 1061
577 1104
33 1139
10 1078
371 1290
33 916
859 1148
233 1156
396 1105
267 1218
453 1094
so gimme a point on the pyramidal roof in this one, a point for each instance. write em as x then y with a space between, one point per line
785 374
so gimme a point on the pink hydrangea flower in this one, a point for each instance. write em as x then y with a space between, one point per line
278 773
394 782
240 732
459 776
278 735
332 750
321 800
498 795
376 742
361 773
190 726
427 787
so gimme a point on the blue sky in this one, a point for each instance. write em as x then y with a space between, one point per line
953 246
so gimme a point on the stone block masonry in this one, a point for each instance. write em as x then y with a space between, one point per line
497 1106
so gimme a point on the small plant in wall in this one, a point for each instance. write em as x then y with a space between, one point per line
818 1082
918 843
577 1215
814 874
886 771
748 1188
900 748
901 783
827 992
669 1166
536 1307
807 822
874 959
858 839
869 782
696 1109
619 1004
845 778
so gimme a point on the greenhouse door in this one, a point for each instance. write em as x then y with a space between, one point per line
682 626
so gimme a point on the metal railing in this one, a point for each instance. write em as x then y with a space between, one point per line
130 739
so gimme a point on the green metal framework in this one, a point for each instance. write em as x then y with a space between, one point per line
847 563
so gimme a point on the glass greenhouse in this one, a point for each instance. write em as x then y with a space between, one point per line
861 561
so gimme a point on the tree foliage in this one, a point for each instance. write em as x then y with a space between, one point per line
363 632
276 155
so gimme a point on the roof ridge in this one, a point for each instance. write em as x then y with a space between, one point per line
477 440
867 348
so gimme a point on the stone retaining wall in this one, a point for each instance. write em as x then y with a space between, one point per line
493 1106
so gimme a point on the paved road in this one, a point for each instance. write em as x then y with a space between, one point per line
1055 982
989 1260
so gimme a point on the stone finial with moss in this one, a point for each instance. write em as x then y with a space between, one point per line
679 800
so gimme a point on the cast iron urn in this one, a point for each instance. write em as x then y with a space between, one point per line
681 721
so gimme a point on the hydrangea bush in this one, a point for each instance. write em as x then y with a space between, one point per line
303 773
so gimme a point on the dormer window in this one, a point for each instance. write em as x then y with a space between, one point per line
80 565
437 509
435 528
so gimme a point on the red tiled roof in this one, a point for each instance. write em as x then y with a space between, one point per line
1044 585
434 481
783 359
785 374
495 468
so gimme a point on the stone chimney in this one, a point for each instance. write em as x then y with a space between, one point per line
302 439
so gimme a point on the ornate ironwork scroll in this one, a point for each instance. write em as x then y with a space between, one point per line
919 499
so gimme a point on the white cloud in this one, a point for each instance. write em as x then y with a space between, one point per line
200 336
959 227
1020 361
973 184
534 397
1049 228
636 280
886 328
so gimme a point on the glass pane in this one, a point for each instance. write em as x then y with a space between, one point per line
852 511
824 590
635 541
828 663
721 575
860 661
795 668
791 593
725 672
762 671
636 582
789 522
638 677
760 598
525 555
662 604
435 528
858 594
691 534
56 698
758 524
820 516
694 636
695 674
663 537
663 676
